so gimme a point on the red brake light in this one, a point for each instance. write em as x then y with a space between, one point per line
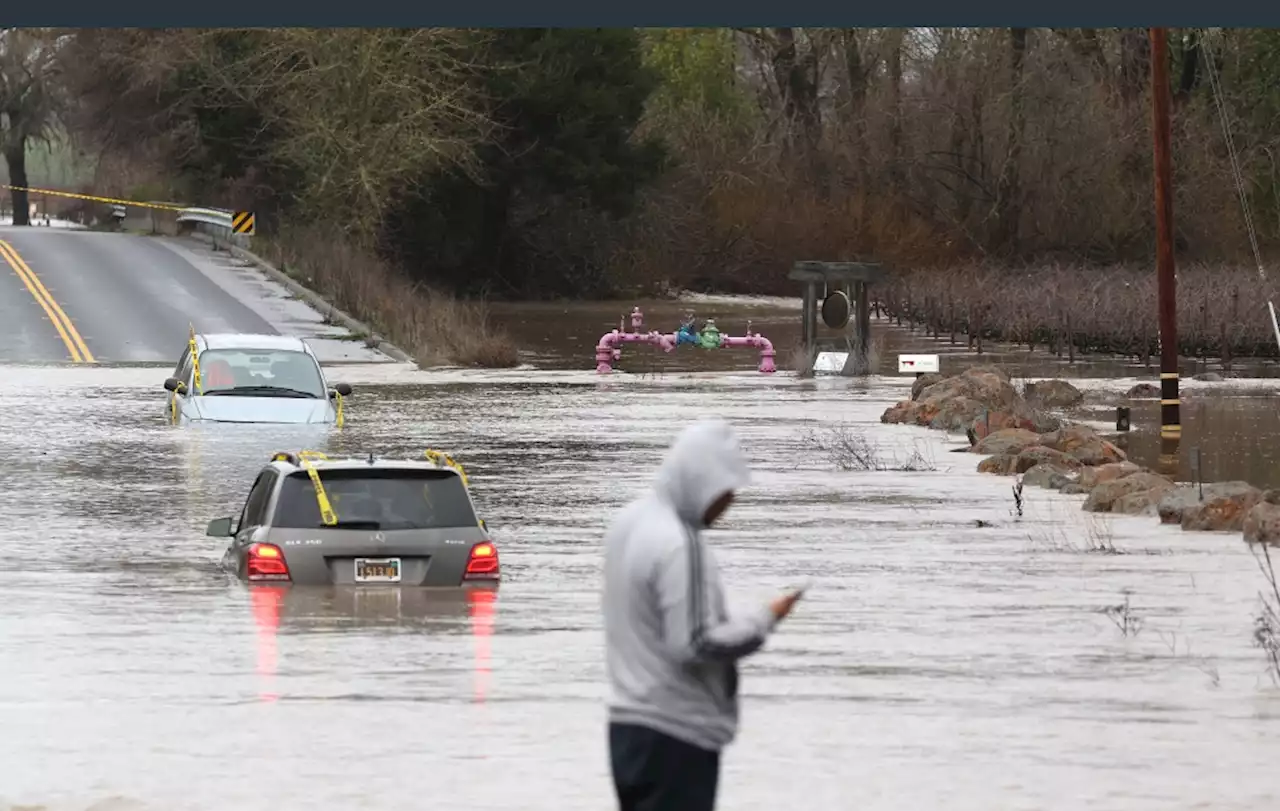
266 562
483 562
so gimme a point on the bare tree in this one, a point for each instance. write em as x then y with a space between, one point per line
364 112
29 102
358 115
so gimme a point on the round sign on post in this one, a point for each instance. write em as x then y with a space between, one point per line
836 310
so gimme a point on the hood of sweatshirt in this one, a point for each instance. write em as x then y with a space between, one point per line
704 463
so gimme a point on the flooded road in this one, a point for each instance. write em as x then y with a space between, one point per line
934 662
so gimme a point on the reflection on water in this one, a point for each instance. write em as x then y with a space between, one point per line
940 637
266 603
299 609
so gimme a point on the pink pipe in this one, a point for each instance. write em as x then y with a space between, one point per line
758 341
608 349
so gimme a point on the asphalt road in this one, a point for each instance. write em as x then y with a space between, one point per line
91 297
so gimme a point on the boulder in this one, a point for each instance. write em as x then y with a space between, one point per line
923 382
954 403
988 369
1048 475
1103 496
1006 440
1184 497
1223 512
1002 464
991 421
956 413
1043 422
1090 477
1144 391
1140 503
908 412
1084 444
1028 458
1208 377
987 387
1053 394
1262 523
1075 488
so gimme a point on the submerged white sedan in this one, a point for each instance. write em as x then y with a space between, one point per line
227 377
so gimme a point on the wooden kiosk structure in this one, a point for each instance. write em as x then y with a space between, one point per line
842 289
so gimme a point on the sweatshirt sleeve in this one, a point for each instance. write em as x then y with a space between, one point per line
691 630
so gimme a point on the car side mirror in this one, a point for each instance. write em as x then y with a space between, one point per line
219 528
175 385
341 388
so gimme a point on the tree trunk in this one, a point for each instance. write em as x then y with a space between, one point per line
1008 189
797 77
1189 76
16 156
858 73
1085 44
895 112
957 132
1135 64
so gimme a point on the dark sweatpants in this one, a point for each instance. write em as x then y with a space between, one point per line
656 772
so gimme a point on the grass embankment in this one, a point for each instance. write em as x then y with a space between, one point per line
1222 311
433 326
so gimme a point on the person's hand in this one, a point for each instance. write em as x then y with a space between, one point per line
782 606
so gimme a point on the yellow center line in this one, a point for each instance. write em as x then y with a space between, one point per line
75 344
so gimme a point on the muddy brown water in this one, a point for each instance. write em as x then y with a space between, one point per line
934 662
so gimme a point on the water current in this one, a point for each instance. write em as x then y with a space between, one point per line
949 653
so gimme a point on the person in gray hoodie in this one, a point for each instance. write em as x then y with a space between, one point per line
672 645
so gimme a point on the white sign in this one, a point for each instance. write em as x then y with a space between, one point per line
830 362
917 364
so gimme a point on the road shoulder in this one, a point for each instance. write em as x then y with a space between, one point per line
290 307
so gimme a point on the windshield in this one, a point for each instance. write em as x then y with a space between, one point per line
377 499
260 373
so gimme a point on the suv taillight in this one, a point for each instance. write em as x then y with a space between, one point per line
266 562
482 563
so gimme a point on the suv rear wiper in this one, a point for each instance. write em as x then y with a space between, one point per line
353 524
278 391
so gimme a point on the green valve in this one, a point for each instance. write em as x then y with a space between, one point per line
709 338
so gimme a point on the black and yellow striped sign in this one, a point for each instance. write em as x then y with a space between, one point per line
242 223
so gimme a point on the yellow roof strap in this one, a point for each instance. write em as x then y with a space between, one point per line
327 514
337 396
442 458
195 358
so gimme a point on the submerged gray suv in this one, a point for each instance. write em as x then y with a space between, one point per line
310 520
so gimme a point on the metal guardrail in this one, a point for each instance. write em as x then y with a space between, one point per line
215 222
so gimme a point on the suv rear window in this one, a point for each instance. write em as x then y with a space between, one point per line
377 498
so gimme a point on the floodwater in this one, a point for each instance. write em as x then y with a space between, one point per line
935 661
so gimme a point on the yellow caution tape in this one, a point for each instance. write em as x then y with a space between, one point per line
338 397
95 198
195 360
327 514
173 407
442 458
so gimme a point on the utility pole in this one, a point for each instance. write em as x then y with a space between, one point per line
1170 420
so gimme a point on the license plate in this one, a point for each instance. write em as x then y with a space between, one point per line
377 570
